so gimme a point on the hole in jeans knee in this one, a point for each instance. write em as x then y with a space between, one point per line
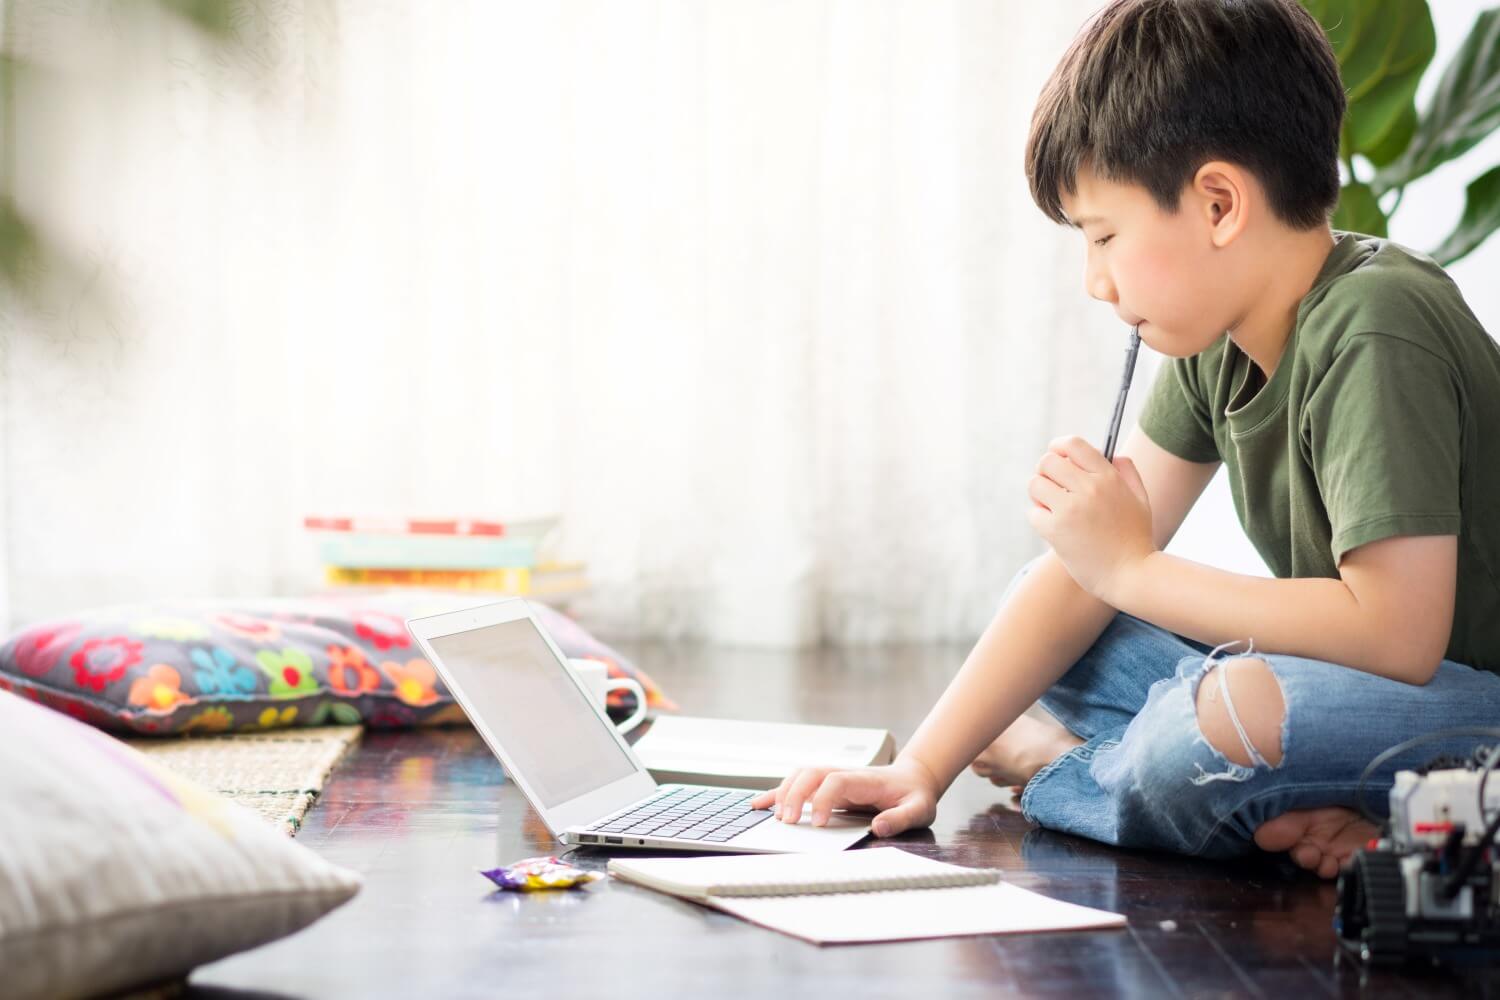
1254 698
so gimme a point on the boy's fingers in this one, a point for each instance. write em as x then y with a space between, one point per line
845 788
1062 471
1037 516
1085 455
768 797
785 788
1045 492
803 784
826 798
773 795
895 820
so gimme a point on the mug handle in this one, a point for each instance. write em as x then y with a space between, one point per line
629 684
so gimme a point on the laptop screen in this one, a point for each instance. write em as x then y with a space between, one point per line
529 702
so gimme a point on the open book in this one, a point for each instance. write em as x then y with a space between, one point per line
728 752
878 894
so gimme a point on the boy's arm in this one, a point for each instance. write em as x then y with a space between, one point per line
1040 631
1048 622
1389 613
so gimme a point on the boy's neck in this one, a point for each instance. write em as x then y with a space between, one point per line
1263 330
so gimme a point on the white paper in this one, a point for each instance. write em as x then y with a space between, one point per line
729 747
700 876
841 918
915 913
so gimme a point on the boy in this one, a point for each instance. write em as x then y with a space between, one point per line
1356 402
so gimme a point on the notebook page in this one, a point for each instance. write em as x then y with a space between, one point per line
677 743
912 914
699 876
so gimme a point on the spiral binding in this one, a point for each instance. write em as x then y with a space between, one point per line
936 880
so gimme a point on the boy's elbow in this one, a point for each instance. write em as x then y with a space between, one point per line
1404 644
1414 662
1424 671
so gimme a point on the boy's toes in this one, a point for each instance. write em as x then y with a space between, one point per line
997 778
1281 833
1320 840
1307 856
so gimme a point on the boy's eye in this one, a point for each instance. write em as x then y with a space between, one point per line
1103 240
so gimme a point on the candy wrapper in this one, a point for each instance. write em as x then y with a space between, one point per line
532 874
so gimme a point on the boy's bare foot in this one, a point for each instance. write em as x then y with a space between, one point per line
1320 840
1017 754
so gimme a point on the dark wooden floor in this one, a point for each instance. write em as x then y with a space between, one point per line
418 813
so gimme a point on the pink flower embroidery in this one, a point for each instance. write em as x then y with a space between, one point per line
39 650
100 662
381 630
392 717
254 629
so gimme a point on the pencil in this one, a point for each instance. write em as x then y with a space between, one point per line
1114 421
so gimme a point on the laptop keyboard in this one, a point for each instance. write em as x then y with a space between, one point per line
710 815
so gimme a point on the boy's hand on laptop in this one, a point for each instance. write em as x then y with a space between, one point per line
1094 514
904 791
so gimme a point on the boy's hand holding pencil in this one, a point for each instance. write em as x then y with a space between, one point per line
1093 512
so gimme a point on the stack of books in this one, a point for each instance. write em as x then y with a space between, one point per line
503 557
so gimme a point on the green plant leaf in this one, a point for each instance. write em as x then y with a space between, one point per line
1358 211
1382 77
1370 123
1386 148
18 242
1395 41
1481 218
1465 107
212 17
1342 22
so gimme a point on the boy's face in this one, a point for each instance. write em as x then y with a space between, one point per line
1161 270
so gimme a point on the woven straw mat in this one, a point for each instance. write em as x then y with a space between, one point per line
276 774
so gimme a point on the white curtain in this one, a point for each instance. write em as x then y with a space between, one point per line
753 294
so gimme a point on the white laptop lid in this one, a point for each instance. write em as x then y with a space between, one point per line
533 712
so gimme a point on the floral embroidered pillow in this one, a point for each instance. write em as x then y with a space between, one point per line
238 666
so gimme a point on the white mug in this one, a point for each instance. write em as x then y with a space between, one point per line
595 677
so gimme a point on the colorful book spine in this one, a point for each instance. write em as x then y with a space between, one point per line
527 528
369 551
517 581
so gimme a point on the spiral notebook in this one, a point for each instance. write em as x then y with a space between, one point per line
878 894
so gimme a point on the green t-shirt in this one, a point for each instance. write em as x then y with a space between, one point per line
1382 418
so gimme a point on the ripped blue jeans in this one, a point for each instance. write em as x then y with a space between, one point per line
1145 775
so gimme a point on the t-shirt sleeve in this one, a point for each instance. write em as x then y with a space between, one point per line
1176 415
1384 430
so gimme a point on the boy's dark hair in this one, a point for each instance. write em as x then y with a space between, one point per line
1150 90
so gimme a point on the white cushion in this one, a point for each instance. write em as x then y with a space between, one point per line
116 873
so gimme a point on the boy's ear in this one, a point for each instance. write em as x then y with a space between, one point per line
1221 192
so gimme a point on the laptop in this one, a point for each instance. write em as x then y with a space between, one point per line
570 762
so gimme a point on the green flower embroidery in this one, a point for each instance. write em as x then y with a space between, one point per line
290 671
336 713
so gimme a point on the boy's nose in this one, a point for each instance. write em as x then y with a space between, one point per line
1098 285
